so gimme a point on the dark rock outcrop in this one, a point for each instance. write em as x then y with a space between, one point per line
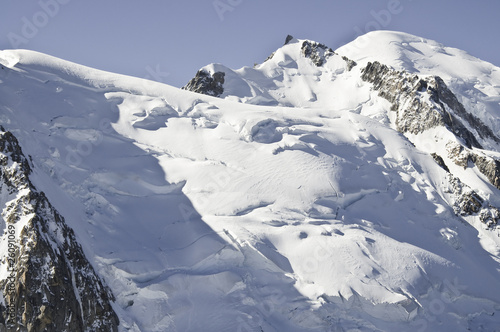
467 202
205 83
439 160
50 285
488 166
318 53
441 93
350 63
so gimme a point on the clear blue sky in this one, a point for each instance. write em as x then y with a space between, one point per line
170 40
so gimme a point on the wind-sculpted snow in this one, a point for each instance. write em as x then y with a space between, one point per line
289 203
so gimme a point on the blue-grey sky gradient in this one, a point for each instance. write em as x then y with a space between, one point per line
169 40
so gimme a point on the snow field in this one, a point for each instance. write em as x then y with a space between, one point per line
305 212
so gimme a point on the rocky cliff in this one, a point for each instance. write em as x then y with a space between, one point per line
46 284
206 83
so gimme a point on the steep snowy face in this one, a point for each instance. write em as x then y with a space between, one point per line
322 190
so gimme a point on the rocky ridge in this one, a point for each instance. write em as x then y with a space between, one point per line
417 101
206 83
425 103
47 283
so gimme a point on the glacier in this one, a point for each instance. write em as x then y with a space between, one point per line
321 190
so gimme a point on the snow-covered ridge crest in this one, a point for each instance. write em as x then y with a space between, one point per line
57 69
298 62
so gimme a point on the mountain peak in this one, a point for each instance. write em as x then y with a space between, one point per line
288 39
300 56
355 189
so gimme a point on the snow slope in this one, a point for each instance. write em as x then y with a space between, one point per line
305 212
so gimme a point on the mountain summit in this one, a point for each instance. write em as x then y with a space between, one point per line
354 189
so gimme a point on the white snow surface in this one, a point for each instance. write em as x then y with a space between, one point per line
288 204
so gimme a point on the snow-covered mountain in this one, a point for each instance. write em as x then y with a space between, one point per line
346 190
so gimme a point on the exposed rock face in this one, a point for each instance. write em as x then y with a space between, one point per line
488 166
490 216
205 83
46 284
422 104
458 154
439 160
318 53
350 63
468 202
441 94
